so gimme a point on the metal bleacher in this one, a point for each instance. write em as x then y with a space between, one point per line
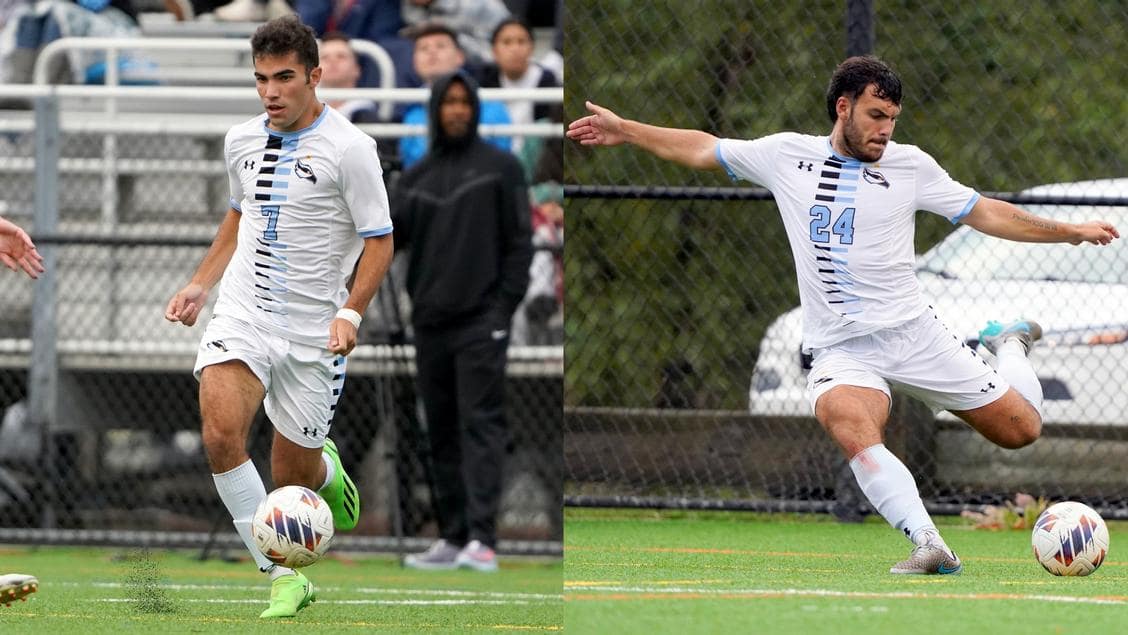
144 162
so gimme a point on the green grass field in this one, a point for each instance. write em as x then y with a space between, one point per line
681 573
87 590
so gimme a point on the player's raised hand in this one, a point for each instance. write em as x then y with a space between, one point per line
1097 232
601 128
17 251
342 337
185 306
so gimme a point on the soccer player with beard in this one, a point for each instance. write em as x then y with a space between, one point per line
848 202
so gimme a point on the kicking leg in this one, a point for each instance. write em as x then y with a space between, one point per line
855 418
1015 419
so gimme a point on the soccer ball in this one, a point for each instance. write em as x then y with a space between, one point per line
1070 539
293 526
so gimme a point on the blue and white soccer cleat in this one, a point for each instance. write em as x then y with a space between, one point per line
995 333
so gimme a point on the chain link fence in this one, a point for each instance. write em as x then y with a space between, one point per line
99 440
684 384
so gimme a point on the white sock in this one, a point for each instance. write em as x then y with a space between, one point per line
241 490
330 470
1016 369
890 488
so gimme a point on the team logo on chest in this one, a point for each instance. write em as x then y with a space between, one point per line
304 171
875 177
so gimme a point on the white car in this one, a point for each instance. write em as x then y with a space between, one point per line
1079 294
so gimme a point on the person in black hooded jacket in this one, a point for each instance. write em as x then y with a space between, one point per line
463 212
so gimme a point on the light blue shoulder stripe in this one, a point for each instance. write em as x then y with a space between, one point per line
372 233
967 208
724 164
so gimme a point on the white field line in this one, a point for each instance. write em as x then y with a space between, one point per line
373 602
875 595
337 589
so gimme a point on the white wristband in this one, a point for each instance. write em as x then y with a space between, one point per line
352 317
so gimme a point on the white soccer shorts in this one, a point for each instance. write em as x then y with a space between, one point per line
302 382
921 358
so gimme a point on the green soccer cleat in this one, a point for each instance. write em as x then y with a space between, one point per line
288 595
341 493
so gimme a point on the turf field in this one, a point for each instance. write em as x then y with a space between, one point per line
86 590
683 573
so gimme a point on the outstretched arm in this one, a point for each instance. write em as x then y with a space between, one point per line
1004 220
692 148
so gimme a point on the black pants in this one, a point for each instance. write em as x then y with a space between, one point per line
461 379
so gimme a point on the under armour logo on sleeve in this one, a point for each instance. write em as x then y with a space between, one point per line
807 165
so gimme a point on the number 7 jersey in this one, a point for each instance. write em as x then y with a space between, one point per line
850 225
307 200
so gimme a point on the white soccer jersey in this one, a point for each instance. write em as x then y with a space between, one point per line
850 225
307 200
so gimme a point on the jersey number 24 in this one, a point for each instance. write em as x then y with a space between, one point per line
843 226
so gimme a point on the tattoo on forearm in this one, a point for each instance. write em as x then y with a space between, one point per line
1035 221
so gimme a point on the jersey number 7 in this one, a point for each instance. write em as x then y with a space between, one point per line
843 227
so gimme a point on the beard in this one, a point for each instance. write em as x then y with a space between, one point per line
855 142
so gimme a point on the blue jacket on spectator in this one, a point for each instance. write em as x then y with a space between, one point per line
411 149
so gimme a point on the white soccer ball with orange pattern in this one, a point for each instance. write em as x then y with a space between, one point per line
1070 539
293 526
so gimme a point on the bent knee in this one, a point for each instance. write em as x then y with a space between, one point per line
1024 433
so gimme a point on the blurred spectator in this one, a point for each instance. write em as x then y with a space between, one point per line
472 20
339 69
513 68
377 21
33 25
436 54
469 249
550 157
233 11
253 10
535 13
540 319
554 59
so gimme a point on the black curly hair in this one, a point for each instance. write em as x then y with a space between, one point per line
853 75
283 36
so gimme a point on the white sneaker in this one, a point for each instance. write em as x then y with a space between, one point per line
440 555
241 11
16 586
477 556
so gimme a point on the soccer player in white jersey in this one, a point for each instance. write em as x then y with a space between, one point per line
308 211
848 202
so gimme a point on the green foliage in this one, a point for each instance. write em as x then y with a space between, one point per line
1005 96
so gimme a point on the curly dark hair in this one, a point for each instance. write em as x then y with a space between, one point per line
853 75
283 36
